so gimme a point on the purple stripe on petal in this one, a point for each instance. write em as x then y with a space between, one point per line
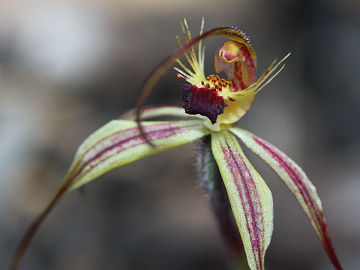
250 200
294 174
315 214
122 141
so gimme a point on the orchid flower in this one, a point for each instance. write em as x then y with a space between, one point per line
212 106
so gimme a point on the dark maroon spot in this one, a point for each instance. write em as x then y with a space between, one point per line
204 101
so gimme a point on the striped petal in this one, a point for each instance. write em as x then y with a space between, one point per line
159 111
298 183
119 142
250 198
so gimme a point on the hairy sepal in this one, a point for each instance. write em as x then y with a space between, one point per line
250 198
297 182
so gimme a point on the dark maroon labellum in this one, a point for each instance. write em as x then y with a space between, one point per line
204 101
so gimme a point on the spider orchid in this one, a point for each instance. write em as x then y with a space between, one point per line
212 106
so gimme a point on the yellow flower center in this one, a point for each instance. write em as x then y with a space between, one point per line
222 101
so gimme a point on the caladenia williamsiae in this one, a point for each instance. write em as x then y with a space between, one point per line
211 107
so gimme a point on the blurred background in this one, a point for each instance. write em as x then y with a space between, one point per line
68 67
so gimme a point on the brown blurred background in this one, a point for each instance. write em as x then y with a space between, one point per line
68 67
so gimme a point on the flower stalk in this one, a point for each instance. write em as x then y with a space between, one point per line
214 187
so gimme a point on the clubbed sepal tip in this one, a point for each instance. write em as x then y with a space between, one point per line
204 101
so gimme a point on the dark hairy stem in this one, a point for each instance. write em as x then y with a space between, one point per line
215 189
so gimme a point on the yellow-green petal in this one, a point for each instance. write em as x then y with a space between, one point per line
115 144
119 142
297 182
250 198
